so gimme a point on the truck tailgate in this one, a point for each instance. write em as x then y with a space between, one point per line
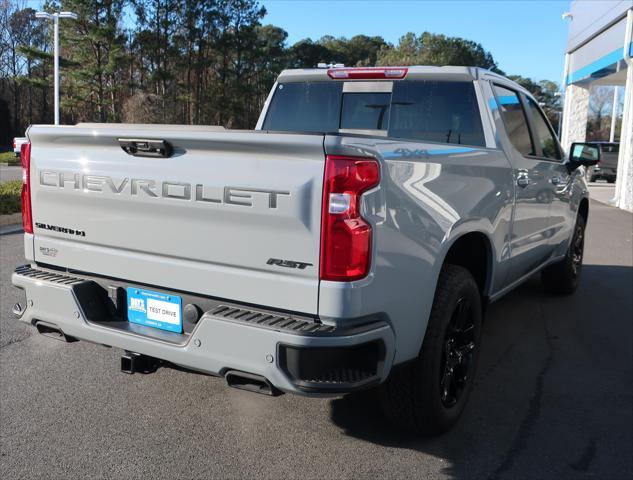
207 220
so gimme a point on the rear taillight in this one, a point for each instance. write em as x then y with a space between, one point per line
345 236
27 216
369 73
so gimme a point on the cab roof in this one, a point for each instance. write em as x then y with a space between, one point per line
311 74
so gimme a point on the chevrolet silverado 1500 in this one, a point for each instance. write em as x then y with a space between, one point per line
352 241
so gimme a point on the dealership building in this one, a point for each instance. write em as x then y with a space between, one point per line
599 51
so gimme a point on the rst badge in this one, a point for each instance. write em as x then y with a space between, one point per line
288 263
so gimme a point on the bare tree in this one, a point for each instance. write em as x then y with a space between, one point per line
600 102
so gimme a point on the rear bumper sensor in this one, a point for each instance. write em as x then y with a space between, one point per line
255 349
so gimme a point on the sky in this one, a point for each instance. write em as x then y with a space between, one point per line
525 37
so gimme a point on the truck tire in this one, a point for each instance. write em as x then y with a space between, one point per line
611 179
562 277
427 395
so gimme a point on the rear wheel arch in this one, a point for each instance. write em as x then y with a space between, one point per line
473 251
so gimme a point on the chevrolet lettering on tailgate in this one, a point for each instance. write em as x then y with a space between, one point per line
167 189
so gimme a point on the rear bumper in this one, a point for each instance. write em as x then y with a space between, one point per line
293 354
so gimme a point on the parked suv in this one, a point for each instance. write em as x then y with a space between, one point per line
607 167
351 242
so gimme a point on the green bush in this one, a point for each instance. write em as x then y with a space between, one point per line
10 201
10 158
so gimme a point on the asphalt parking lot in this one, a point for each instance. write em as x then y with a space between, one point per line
553 399
602 191
10 173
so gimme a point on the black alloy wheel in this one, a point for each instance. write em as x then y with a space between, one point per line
459 344
577 250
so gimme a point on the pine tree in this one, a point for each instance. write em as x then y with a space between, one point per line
95 44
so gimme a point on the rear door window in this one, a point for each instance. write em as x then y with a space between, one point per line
514 119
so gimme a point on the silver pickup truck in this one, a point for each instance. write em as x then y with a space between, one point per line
351 242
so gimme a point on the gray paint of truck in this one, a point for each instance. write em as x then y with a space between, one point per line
216 248
429 195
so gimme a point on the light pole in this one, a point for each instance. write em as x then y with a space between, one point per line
55 18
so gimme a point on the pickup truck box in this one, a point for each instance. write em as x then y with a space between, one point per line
352 241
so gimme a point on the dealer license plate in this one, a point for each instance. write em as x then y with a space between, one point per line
154 309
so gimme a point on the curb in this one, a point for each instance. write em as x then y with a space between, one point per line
11 219
10 229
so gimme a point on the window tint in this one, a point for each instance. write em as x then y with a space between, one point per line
546 138
514 119
365 111
305 107
436 111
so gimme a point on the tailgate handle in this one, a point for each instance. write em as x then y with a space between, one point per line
144 147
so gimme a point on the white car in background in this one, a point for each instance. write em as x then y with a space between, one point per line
17 145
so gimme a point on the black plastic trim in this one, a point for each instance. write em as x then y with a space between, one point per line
333 369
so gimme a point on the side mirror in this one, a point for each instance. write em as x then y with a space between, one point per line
583 154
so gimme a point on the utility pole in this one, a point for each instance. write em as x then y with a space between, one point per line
55 18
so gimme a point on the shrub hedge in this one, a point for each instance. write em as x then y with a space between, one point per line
10 201
9 158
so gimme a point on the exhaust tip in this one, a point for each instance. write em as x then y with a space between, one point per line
251 382
53 331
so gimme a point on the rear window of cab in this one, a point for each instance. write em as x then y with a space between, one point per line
424 110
